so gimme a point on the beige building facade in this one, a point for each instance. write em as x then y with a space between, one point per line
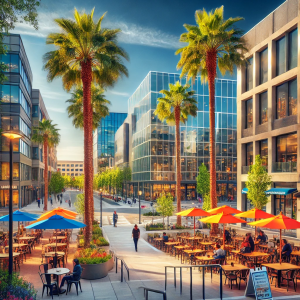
71 168
269 121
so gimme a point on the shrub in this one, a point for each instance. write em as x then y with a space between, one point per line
150 213
18 289
157 226
92 256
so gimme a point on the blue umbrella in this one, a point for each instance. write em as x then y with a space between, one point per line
20 216
56 222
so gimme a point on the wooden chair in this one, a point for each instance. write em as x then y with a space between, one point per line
242 275
288 276
230 276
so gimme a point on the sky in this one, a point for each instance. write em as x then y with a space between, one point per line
150 35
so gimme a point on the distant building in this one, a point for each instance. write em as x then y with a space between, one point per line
104 140
71 168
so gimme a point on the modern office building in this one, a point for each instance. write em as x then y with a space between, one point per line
70 167
19 114
121 157
152 143
104 140
268 121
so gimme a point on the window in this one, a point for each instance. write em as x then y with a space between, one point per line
263 149
41 155
35 111
5 142
63 174
249 113
293 49
68 170
81 170
249 154
76 170
63 170
263 66
286 95
81 165
249 74
72 170
282 65
25 172
59 165
72 165
5 171
68 165
76 165
286 148
35 174
263 107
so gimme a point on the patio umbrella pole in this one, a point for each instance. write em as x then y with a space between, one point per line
223 236
280 244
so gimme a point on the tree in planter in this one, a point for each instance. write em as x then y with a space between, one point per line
258 183
212 42
175 107
47 134
57 183
203 181
165 206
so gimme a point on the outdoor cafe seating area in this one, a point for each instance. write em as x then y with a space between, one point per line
200 249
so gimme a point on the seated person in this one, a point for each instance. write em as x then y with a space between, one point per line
246 247
262 237
250 241
227 236
165 237
73 276
218 252
286 250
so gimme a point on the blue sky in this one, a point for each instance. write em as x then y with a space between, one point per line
150 34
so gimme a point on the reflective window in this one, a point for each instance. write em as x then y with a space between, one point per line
5 171
249 74
263 107
286 96
287 148
263 70
263 148
249 154
35 111
249 113
280 56
293 49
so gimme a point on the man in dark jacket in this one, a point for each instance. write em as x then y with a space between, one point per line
135 236
286 250
251 241
115 218
73 276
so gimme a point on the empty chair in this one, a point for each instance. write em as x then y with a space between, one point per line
47 283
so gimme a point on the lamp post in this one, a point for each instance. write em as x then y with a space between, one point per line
11 135
140 193
101 208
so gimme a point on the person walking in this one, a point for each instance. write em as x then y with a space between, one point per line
51 201
39 202
115 218
135 236
69 202
58 197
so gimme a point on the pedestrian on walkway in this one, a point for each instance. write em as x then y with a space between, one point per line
135 236
39 202
51 200
58 198
115 218
69 202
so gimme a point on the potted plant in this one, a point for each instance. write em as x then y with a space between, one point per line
96 263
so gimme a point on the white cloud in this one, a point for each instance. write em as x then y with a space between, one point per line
131 33
122 94
56 109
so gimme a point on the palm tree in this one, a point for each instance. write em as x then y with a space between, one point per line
213 41
86 53
99 107
47 134
175 107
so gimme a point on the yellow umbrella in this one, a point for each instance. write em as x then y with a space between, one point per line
222 218
193 212
223 209
58 211
278 222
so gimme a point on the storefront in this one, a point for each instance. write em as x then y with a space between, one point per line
4 196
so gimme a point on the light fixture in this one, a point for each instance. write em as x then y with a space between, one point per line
140 193
11 135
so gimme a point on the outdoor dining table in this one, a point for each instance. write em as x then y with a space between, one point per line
158 241
58 272
255 255
26 238
192 251
16 245
52 254
59 238
5 256
181 247
170 244
281 267
205 258
206 243
54 245
234 268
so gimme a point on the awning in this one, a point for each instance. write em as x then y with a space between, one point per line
297 194
244 190
280 191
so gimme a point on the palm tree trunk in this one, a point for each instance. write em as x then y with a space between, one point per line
46 174
211 59
86 76
178 163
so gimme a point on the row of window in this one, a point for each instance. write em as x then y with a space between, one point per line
37 113
72 170
286 152
286 59
18 146
72 174
21 171
13 94
70 165
286 104
15 123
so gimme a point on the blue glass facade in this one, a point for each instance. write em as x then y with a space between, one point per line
153 141
104 138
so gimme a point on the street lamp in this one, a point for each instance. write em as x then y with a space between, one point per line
11 135
140 193
101 208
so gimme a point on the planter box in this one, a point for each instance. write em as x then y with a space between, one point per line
92 272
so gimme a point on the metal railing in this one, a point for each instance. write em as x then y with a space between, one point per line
146 290
289 166
191 277
123 265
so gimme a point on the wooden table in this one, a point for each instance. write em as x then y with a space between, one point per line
168 244
255 255
235 268
6 255
192 251
26 238
58 272
158 241
52 254
206 243
205 258
16 245
180 248
281 267
53 245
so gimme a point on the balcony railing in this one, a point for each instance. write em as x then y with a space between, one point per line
245 169
290 166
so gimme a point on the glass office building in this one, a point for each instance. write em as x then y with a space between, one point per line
104 140
153 142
